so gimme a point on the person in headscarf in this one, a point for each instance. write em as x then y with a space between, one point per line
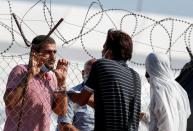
169 106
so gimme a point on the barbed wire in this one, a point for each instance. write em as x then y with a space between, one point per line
49 19
153 26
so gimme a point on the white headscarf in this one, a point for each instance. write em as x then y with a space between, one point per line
169 103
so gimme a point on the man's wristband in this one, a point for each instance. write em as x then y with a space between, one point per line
61 91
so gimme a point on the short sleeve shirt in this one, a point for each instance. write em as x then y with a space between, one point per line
82 117
36 108
117 106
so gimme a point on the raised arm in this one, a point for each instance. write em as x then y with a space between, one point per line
60 102
81 98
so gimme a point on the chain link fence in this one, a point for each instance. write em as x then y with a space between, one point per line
148 35
8 63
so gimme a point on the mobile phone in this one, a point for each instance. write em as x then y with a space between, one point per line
43 68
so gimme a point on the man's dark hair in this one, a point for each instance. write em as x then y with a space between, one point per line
120 43
39 40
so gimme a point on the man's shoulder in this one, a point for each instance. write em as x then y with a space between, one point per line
135 75
135 72
104 61
19 68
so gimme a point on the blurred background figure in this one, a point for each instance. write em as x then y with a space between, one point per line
78 118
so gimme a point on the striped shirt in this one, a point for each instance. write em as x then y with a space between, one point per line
117 92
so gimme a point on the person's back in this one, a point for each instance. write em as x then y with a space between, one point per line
115 95
185 79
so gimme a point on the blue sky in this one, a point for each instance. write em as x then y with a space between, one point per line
163 7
